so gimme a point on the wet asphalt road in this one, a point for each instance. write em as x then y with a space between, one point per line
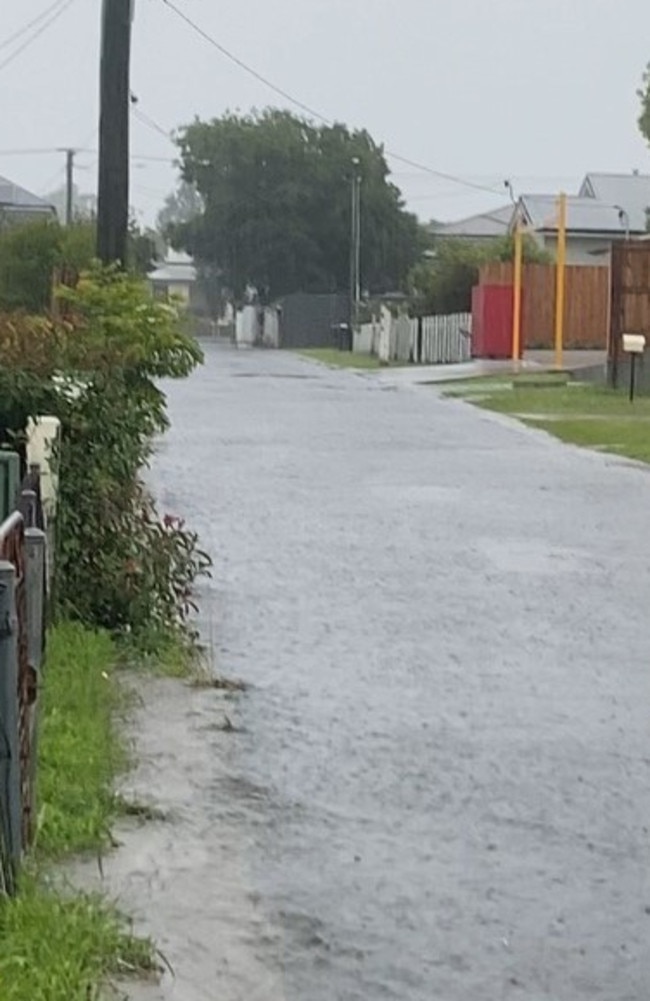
440 785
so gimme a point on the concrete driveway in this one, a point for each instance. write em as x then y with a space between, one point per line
437 786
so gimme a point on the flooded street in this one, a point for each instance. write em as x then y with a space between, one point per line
437 783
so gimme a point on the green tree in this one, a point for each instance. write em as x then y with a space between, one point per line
276 196
181 206
644 97
31 254
443 282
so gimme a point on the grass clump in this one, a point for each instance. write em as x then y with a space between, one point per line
58 947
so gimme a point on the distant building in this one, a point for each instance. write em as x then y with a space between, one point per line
629 193
592 226
19 205
177 276
477 228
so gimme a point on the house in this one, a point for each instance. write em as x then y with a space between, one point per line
477 228
19 205
630 193
177 276
592 226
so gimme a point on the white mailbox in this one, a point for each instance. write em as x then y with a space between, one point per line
634 344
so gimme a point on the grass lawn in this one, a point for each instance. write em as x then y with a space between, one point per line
55 944
339 359
592 416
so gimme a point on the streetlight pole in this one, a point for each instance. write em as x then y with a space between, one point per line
355 245
69 186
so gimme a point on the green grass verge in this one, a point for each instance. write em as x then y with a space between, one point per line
339 359
591 416
57 945
80 749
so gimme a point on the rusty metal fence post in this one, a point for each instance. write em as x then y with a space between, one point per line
36 597
11 809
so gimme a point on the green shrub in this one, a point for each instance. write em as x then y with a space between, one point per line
119 565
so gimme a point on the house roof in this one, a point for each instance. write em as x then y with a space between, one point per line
488 224
629 191
584 215
182 271
13 198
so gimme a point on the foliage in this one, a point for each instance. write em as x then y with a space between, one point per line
443 283
59 947
118 564
143 249
31 255
80 751
644 97
28 256
276 194
56 946
181 206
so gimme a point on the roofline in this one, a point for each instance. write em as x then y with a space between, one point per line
20 207
590 232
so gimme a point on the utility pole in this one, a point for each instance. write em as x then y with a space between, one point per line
69 186
113 193
355 246
560 281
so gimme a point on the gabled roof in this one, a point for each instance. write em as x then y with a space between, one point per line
629 191
171 271
584 215
488 224
13 198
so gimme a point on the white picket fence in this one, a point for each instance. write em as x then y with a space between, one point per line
443 340
431 340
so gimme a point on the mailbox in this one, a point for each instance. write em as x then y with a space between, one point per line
634 344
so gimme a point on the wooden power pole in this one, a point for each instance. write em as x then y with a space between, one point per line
113 194
69 186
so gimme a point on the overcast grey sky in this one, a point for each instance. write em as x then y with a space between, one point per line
540 91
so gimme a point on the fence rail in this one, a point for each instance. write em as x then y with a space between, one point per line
22 643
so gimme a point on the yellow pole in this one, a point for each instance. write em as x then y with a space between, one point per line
561 281
516 307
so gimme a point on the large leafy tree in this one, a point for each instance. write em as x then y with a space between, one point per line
644 97
275 193
443 282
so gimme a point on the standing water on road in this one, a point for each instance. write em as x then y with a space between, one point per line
436 783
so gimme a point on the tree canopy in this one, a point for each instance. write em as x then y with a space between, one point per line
443 283
644 97
275 193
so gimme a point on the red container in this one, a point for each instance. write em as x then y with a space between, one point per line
492 309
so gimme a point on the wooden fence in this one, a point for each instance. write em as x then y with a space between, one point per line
630 305
586 316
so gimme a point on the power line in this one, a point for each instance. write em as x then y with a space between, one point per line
149 122
30 24
305 107
37 34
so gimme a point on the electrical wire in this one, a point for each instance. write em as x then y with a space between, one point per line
30 24
149 122
37 34
306 108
